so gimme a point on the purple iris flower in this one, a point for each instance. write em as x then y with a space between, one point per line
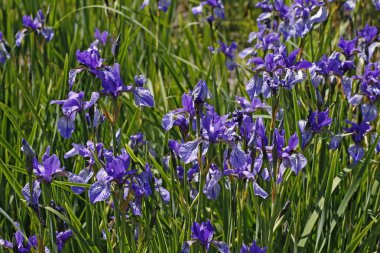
180 117
356 151
229 52
111 80
253 248
116 170
201 92
214 126
368 33
212 188
348 46
35 194
370 81
83 177
376 3
4 49
282 8
50 167
140 80
357 130
37 25
329 66
303 13
101 36
62 238
315 123
74 104
90 58
289 60
288 155
203 233
89 151
265 6
20 245
113 86
370 112
267 42
164 193
349 5
70 107
253 105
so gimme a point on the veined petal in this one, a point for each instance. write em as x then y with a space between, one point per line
66 127
188 151
99 191
143 97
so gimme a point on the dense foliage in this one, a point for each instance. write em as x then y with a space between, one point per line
190 126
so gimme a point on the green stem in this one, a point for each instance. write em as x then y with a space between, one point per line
50 217
114 126
118 224
201 176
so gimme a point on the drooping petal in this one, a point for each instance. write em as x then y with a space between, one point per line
254 86
370 112
83 177
188 151
221 246
143 97
94 98
356 99
197 9
99 191
186 246
320 16
48 33
238 158
258 191
356 152
334 142
246 52
168 121
20 36
347 85
297 162
66 127
36 192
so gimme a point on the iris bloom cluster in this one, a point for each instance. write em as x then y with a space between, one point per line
245 141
